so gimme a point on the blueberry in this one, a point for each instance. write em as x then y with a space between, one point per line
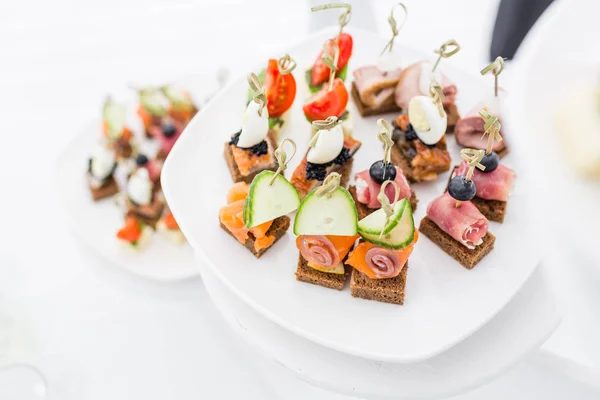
141 160
490 161
410 133
461 189
168 129
381 172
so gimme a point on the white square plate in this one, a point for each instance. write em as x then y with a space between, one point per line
444 302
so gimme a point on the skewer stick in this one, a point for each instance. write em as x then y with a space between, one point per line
330 184
384 135
437 95
449 48
395 27
495 68
322 124
388 208
491 128
258 93
473 158
286 64
282 160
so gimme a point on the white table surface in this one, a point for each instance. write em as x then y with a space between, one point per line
102 333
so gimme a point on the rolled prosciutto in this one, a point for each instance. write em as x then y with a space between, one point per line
495 185
384 263
367 189
319 250
466 224
375 87
414 81
469 131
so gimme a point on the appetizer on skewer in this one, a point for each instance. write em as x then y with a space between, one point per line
135 235
420 138
415 80
143 201
330 151
454 223
255 215
331 98
380 260
152 109
100 174
118 136
319 74
368 183
154 167
251 150
181 105
374 86
169 228
326 225
279 86
495 183
469 130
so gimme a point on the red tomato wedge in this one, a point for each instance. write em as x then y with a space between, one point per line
279 88
131 232
320 72
326 103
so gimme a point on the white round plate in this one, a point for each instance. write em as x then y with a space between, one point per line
522 326
444 302
559 54
96 224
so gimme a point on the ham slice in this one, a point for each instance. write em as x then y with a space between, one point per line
367 189
495 185
318 250
466 224
469 131
375 87
385 263
409 86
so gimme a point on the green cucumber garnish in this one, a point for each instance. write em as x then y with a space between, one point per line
398 233
266 202
333 214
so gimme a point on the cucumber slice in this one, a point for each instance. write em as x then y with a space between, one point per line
374 223
338 269
114 115
327 215
399 233
265 203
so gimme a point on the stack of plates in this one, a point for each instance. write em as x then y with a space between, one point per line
458 327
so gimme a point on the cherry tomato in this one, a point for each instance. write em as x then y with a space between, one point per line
131 232
326 103
279 88
320 71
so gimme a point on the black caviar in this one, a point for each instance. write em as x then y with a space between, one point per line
410 133
258 149
319 171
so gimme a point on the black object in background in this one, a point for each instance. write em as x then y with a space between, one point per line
513 21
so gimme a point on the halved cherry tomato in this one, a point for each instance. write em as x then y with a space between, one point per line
327 103
320 71
279 88
131 232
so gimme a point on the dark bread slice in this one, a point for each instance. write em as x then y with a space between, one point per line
453 117
108 189
494 210
384 290
468 258
304 273
367 111
148 215
233 168
399 160
278 228
363 210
